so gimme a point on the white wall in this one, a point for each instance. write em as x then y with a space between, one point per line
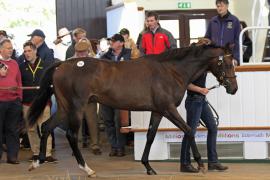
249 107
172 4
241 8
121 17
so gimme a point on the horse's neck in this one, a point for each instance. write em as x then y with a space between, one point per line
192 69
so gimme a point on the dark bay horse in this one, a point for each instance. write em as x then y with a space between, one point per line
155 83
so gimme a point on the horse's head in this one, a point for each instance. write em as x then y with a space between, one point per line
223 68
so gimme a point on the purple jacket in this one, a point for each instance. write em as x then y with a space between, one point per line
225 30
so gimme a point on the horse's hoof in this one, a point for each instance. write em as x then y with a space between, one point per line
92 175
202 169
34 165
151 172
31 168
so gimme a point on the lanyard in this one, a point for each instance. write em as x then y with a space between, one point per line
35 69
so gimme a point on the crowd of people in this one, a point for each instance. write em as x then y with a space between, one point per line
27 69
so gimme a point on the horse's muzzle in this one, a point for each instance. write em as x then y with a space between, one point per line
231 86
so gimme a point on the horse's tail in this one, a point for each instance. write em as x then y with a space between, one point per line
44 93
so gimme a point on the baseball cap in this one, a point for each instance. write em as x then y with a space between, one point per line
124 31
37 32
117 37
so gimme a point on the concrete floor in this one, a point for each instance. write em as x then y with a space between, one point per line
124 168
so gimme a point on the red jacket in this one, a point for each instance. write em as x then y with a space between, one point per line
157 43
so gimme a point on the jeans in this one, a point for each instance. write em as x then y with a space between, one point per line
10 115
112 126
197 108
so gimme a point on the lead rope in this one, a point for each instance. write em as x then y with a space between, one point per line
216 116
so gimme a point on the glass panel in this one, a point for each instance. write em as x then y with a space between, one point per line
172 26
197 28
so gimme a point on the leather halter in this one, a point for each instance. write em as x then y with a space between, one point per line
223 74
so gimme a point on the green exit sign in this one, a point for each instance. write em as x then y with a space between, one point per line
184 5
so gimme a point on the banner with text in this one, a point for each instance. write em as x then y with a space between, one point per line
232 135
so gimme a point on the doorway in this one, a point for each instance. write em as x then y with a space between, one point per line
186 25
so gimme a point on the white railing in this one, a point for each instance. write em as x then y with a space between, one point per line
253 44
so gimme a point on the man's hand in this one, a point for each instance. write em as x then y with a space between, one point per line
235 62
198 89
3 71
204 91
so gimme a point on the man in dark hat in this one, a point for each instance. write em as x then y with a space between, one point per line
111 117
43 51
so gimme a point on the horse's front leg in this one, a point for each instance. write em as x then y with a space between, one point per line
196 154
45 131
152 130
178 121
72 136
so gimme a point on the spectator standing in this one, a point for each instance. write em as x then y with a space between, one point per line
43 51
111 116
3 35
225 28
156 39
62 43
83 48
247 43
10 101
130 44
196 105
31 71
77 34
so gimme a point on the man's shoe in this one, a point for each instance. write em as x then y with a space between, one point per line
97 151
50 159
13 161
188 168
216 166
113 152
120 152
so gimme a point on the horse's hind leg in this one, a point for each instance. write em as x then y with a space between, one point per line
152 129
178 121
72 136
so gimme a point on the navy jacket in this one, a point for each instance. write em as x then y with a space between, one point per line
125 55
32 78
225 30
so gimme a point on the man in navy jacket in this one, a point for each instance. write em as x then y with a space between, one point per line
225 28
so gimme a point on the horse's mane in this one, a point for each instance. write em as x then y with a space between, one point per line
181 53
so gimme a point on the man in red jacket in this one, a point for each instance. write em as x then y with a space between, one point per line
156 39
10 101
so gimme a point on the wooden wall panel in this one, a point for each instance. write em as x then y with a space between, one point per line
87 14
